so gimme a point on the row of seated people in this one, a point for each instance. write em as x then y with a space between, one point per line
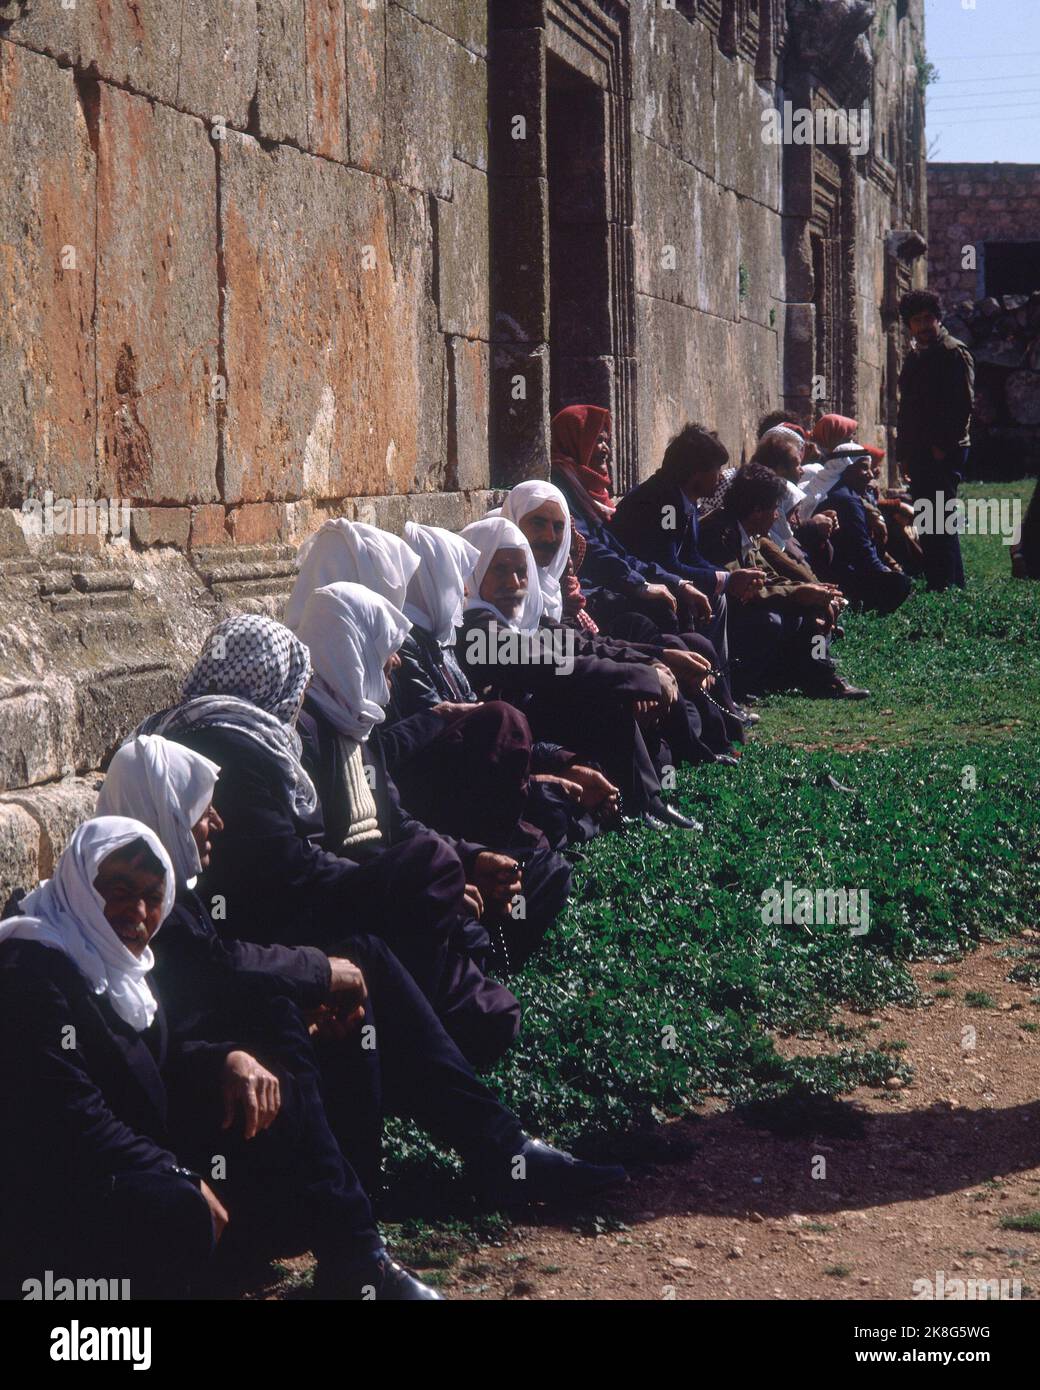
351 828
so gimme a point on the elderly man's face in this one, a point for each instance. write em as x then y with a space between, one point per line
791 467
505 583
544 528
133 899
207 825
601 450
924 328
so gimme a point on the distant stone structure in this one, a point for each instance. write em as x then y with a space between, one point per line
985 230
268 261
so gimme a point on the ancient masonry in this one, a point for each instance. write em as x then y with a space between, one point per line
267 261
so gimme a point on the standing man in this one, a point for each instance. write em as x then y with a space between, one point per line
936 394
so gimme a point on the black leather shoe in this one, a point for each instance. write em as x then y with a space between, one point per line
727 760
840 689
661 814
549 1175
392 1283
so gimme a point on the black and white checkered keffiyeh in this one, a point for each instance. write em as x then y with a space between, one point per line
251 676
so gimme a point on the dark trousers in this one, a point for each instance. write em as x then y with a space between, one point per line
774 650
879 593
407 1066
604 730
936 482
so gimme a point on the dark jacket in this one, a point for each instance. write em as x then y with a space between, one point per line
855 555
720 538
658 523
608 564
428 675
936 394
88 1095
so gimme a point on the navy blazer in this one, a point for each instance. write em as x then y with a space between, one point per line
608 564
639 525
855 554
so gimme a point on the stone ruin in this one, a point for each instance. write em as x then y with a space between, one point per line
269 261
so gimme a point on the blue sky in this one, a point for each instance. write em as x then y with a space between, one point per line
986 104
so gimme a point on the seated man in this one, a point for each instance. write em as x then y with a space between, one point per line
580 690
118 1115
276 884
864 577
782 450
353 637
779 635
210 986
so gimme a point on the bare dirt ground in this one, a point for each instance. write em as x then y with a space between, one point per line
924 1185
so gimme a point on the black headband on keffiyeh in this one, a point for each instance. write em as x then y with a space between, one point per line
251 676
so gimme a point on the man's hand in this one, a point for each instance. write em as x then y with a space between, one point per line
689 669
250 1092
698 603
497 876
669 685
657 593
446 709
824 522
347 982
742 584
474 902
812 596
217 1210
570 789
598 793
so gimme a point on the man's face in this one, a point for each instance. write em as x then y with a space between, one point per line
544 528
391 664
860 474
505 584
702 483
133 898
760 522
791 468
924 328
601 451
207 825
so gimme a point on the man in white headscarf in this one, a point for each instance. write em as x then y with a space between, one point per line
352 552
354 636
540 510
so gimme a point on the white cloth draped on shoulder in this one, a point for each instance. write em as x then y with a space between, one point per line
492 534
437 589
351 633
819 484
67 913
167 787
352 552
520 501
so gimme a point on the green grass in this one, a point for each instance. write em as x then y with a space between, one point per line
662 984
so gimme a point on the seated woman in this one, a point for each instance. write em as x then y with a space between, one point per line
416 1072
473 781
353 637
482 754
117 1116
274 881
574 688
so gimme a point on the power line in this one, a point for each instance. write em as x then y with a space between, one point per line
1002 77
983 57
990 120
963 110
982 97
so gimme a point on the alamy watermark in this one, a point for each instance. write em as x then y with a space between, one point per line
807 907
969 516
496 645
801 125
943 1290
75 516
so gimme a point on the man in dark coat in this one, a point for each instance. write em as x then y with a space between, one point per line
936 395
857 568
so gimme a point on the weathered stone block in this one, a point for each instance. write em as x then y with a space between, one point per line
29 746
161 526
366 85
157 301
335 373
465 20
761 284
464 266
256 523
218 59
470 109
326 69
519 413
46 281
420 62
57 808
672 98
19 849
521 262
468 392
516 77
744 162
281 88
208 527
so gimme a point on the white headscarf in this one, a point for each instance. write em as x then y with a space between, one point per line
491 535
352 552
167 786
528 497
817 487
438 587
351 633
67 913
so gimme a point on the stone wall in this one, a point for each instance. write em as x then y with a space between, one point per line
267 261
970 204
